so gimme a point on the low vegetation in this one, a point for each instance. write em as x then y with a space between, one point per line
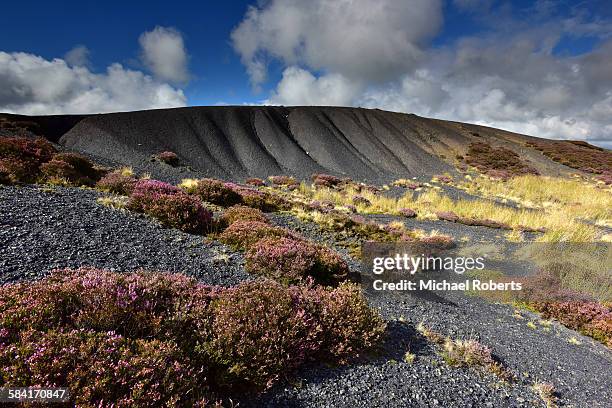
216 192
119 182
70 169
465 353
291 261
21 158
170 205
168 157
153 339
576 154
244 234
498 162
241 213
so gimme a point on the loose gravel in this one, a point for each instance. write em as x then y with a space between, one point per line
45 229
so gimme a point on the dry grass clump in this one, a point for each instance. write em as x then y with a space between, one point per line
498 162
291 261
465 353
116 202
572 198
546 391
157 339
409 184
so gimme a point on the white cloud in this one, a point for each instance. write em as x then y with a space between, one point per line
508 78
30 84
78 56
164 53
359 39
300 85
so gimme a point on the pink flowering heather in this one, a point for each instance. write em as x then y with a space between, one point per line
241 213
361 200
117 183
167 157
290 260
313 323
283 181
21 158
326 180
262 200
170 205
407 212
255 182
71 168
158 339
216 192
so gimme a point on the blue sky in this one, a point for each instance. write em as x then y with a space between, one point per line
447 59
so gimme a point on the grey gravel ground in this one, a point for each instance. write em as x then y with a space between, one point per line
41 230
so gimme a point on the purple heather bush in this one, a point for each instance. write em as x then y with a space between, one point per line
290 261
313 322
117 183
286 181
407 212
168 157
255 182
326 180
21 158
245 234
159 339
361 200
217 192
263 200
241 213
170 205
71 168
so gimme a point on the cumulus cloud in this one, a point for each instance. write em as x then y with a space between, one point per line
164 53
300 85
511 77
359 39
30 84
78 56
